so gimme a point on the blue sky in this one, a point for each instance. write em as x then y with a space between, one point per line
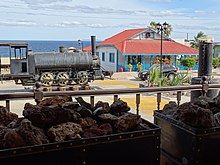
79 19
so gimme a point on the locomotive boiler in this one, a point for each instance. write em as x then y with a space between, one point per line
57 68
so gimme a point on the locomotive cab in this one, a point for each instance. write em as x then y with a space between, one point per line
18 59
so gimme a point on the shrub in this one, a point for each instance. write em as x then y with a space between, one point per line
154 76
215 62
188 62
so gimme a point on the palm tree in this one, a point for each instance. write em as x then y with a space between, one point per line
167 32
195 43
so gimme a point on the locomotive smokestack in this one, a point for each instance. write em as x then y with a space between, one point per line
93 43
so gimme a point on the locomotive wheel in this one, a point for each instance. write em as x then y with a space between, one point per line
46 79
83 78
62 78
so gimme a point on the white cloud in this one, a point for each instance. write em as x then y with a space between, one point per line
75 24
68 24
32 2
200 27
17 23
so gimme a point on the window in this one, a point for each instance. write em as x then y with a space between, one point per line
103 56
112 57
147 35
97 54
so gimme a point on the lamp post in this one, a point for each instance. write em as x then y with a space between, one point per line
80 44
161 28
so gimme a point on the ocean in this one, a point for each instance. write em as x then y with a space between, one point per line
43 46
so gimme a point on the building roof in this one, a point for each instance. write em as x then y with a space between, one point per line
122 36
154 47
126 45
119 38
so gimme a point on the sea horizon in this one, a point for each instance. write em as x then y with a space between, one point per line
44 45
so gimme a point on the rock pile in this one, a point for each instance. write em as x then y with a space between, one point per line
58 119
203 112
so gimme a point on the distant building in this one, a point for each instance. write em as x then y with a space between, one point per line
139 45
216 49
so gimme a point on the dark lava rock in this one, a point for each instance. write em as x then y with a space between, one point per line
170 108
96 130
204 102
6 117
12 139
15 123
87 122
217 100
56 100
47 116
32 135
82 102
194 115
119 106
99 111
3 130
104 105
64 131
24 135
107 128
70 105
128 122
84 112
92 132
217 119
107 118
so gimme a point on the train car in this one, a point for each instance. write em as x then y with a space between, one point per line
56 68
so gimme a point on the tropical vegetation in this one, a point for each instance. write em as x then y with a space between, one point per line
129 67
180 79
167 32
215 62
195 43
139 66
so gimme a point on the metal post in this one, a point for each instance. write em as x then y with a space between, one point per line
161 51
8 105
38 94
92 100
158 100
138 101
178 97
93 43
0 64
115 97
82 46
205 72
161 28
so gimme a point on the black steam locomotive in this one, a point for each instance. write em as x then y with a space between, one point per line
57 68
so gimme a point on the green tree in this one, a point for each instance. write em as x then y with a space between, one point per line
188 62
195 43
167 32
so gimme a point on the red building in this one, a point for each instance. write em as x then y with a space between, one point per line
140 45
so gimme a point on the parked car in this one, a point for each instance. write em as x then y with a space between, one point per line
167 70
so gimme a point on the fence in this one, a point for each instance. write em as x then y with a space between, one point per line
38 94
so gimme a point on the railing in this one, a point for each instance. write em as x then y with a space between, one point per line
38 95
